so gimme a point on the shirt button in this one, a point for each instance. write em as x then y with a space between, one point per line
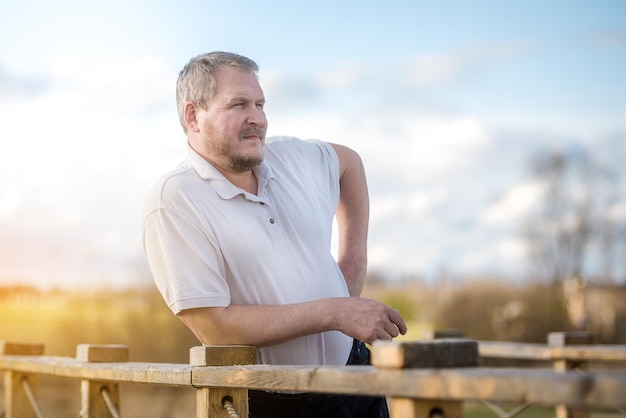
272 221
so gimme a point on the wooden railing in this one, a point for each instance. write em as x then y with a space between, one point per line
568 352
428 378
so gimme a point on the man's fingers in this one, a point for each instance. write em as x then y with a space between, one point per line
392 329
398 321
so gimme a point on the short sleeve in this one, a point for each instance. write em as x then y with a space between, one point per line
186 265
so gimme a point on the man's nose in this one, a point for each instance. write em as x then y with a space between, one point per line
256 116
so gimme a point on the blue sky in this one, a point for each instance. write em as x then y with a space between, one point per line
445 101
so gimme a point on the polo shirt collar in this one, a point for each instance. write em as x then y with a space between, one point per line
224 188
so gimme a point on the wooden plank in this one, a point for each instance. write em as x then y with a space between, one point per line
8 348
497 349
544 387
561 339
494 349
109 353
94 404
449 352
16 400
209 402
157 373
92 401
216 355
590 353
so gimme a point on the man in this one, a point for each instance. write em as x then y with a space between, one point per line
238 238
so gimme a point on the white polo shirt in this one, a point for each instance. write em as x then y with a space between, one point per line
210 243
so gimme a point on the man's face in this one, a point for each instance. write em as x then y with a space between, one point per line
232 127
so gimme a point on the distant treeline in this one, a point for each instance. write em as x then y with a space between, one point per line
480 309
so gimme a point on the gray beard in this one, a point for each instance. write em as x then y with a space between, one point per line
243 164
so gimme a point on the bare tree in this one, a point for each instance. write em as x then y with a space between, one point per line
575 228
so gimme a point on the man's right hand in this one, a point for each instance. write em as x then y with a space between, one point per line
368 320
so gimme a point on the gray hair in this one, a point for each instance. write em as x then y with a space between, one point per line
196 81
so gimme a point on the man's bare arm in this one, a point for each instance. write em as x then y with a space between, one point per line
263 325
352 219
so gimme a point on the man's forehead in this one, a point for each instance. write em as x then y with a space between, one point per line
236 82
238 75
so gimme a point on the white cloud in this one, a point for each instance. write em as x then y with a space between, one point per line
402 146
515 203
81 154
504 255
444 143
412 205
429 70
344 76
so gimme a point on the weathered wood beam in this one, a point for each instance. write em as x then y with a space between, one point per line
439 353
544 387
210 400
560 340
97 396
133 372
496 349
16 399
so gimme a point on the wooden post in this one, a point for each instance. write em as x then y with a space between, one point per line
562 339
209 401
441 353
93 401
16 399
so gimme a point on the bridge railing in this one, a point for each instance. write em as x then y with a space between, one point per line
428 378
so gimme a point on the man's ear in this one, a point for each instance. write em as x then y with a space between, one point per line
190 116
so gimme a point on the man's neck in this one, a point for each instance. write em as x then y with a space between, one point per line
246 180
